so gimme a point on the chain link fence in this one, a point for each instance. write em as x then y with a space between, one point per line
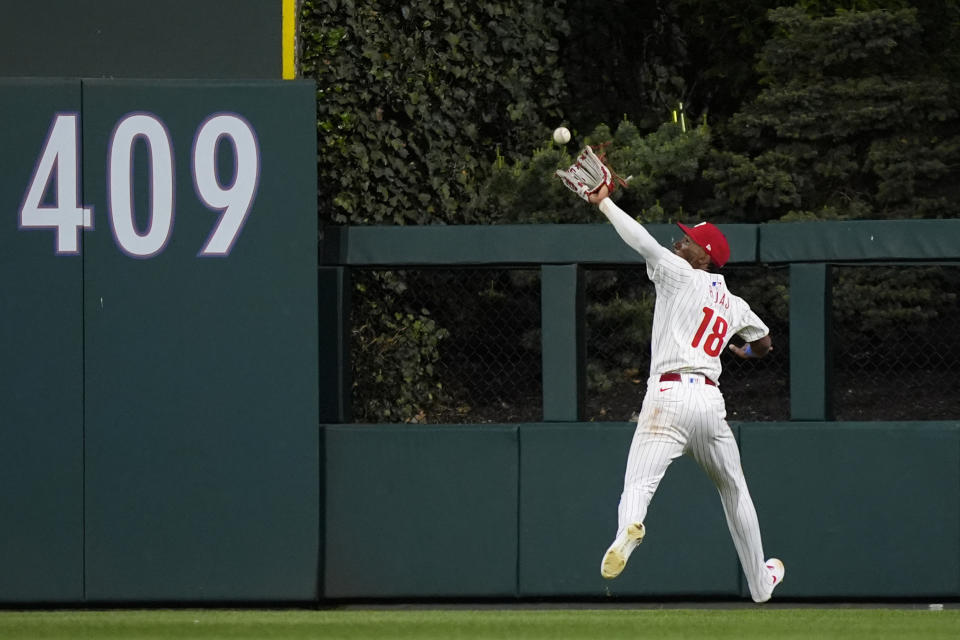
896 348
485 364
463 344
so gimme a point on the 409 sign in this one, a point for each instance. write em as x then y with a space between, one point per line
58 168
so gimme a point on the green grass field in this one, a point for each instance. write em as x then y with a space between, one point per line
521 624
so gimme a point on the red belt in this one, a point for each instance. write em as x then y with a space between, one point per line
676 377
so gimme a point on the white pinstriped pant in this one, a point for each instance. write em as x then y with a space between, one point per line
689 416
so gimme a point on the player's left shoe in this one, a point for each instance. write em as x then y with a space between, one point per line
615 559
777 571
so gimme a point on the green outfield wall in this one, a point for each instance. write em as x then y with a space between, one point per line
158 342
855 510
41 369
174 391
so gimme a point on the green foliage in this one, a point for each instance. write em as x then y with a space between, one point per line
846 45
624 59
915 175
751 186
395 347
876 307
527 190
622 313
722 40
434 111
414 97
413 101
662 170
852 122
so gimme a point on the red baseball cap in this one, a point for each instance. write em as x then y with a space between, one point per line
711 239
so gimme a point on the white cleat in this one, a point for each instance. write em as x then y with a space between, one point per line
777 571
615 559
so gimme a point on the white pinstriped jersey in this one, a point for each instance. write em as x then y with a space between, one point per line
694 318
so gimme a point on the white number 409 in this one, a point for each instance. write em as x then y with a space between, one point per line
59 165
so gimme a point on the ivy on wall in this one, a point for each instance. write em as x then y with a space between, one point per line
414 99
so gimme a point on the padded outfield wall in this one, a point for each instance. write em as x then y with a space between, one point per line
190 467
158 341
857 510
526 511
173 423
144 454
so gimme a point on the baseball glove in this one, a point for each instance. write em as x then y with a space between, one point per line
587 174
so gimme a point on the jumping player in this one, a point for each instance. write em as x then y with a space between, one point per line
683 411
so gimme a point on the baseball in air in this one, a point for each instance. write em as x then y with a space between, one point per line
561 135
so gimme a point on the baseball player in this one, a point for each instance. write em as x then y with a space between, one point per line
683 412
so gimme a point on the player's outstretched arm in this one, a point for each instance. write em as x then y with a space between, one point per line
756 349
631 231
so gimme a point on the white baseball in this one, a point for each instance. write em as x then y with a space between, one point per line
561 135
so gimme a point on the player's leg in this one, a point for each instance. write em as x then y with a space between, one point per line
715 449
656 443
650 455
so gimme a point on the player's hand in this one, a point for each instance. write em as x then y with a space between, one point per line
758 349
740 351
597 198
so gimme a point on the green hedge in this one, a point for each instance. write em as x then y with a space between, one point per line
414 100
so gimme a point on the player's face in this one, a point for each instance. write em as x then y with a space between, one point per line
691 252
